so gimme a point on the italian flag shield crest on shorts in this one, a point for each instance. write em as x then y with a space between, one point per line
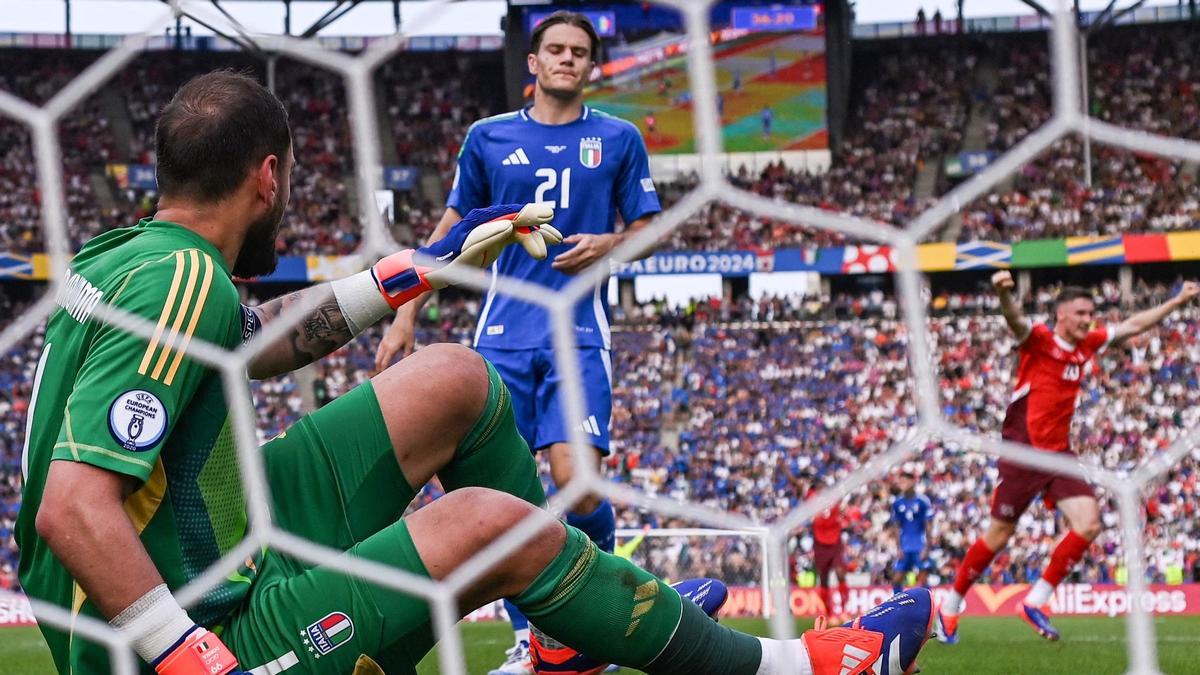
329 633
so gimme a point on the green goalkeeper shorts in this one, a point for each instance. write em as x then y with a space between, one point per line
335 481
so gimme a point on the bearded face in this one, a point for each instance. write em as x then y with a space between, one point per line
258 256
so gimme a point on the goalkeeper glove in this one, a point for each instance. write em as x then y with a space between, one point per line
199 652
476 241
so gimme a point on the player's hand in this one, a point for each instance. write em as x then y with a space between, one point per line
1187 292
1002 281
400 339
475 241
199 653
588 249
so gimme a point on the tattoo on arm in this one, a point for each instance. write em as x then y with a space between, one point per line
320 332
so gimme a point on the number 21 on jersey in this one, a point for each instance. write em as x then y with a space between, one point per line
550 180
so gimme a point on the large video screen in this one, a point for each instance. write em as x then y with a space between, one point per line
770 63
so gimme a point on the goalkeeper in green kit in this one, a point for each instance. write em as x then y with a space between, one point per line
132 486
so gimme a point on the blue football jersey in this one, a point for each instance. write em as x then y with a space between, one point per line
592 169
911 516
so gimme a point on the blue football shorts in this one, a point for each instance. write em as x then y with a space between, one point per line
538 399
913 560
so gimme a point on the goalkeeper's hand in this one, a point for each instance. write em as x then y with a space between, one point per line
199 652
476 241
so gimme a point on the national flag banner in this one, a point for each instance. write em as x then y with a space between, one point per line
1141 248
939 257
17 266
1095 250
1040 253
868 260
766 260
982 255
1183 245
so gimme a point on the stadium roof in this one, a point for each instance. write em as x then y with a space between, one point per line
421 18
295 17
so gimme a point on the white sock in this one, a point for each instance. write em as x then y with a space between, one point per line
780 657
953 603
520 636
1040 594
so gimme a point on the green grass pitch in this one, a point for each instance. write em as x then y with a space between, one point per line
989 645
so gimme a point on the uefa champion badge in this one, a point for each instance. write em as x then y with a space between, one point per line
326 635
137 420
590 151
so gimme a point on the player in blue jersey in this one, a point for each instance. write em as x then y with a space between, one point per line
911 514
594 168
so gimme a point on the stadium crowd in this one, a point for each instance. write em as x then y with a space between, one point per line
1146 81
764 406
736 405
909 110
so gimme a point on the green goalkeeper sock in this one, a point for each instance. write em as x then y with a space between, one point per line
493 454
613 611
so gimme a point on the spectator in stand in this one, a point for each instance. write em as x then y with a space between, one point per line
727 403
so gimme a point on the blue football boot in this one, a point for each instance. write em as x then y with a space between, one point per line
1039 619
906 621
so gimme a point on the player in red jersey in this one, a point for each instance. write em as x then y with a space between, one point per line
828 555
1051 365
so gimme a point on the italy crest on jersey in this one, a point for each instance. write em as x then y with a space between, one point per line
590 151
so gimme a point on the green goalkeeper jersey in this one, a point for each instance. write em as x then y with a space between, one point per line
142 408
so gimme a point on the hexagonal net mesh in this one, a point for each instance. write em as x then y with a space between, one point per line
357 72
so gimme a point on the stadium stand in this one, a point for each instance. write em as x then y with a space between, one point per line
727 403
908 115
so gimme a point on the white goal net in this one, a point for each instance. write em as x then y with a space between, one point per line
770 542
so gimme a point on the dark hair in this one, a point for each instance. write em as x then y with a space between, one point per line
571 19
215 129
1069 293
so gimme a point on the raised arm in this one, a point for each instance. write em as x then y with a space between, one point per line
359 301
1003 282
400 338
1147 319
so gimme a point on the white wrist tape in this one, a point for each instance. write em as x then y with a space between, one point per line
361 302
155 621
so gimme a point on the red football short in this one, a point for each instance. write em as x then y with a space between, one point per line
1019 485
827 557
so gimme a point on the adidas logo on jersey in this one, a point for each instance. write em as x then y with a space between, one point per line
516 158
